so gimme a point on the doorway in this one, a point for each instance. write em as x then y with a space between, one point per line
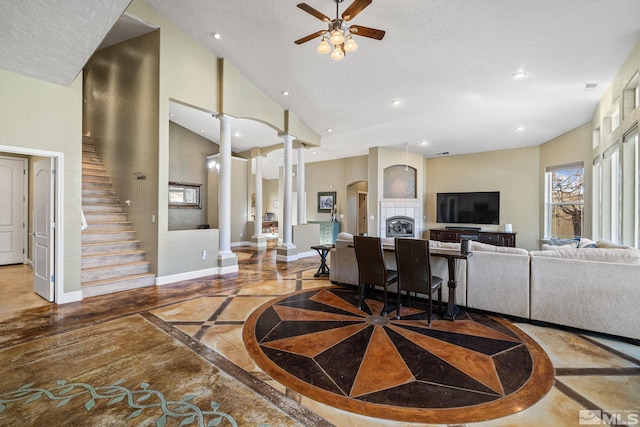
50 265
363 224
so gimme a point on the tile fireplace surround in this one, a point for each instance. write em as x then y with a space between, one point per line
407 208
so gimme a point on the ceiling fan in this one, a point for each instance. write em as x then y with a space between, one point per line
339 33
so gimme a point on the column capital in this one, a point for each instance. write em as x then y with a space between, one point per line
286 136
223 117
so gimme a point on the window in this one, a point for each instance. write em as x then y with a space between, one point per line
596 229
610 196
564 189
630 188
616 191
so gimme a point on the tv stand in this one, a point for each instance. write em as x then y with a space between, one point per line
455 235
455 227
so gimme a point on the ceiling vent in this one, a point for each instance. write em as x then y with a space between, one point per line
443 153
590 87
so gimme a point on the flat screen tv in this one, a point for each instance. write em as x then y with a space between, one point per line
469 208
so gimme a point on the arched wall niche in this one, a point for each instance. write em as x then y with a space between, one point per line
399 182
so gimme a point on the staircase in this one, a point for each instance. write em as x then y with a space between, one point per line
112 260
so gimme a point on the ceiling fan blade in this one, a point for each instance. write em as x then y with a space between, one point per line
372 33
321 16
355 8
310 37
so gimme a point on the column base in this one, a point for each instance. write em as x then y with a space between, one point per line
228 262
258 241
286 252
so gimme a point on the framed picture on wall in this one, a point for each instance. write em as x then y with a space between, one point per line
326 201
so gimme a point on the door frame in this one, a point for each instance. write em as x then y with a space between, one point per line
58 197
25 204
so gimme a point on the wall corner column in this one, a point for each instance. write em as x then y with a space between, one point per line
227 260
300 184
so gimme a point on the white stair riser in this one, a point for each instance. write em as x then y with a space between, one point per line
110 247
114 271
101 208
108 237
108 226
99 200
105 217
89 185
98 192
117 286
95 177
111 259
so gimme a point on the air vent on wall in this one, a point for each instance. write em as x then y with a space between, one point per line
444 153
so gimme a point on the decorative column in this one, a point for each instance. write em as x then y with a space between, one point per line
226 258
284 252
257 230
300 175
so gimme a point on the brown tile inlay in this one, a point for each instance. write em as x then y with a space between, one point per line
471 370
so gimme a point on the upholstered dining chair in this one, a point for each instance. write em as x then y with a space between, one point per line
371 267
414 272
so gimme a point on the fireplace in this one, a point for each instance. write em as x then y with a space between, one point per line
399 218
400 226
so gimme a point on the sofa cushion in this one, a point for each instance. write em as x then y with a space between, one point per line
547 247
345 236
586 243
435 244
563 242
629 256
605 244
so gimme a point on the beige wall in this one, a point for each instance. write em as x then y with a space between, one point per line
121 115
514 173
239 202
381 158
333 175
188 74
269 194
42 116
188 153
571 147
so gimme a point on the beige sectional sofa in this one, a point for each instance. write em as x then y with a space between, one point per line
596 289
590 288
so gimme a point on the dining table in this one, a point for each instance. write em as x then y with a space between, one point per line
452 256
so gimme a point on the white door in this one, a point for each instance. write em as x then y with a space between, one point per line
43 228
12 210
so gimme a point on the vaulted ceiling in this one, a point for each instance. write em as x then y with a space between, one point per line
443 79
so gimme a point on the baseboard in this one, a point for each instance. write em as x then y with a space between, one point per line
173 278
68 297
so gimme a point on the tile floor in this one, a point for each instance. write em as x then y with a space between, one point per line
594 375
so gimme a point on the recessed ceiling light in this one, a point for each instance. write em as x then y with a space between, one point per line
520 129
285 92
519 75
314 152
217 36
424 143
329 130
236 134
170 114
201 130
395 102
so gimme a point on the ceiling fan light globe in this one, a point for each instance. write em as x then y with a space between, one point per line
324 47
337 54
350 45
337 38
